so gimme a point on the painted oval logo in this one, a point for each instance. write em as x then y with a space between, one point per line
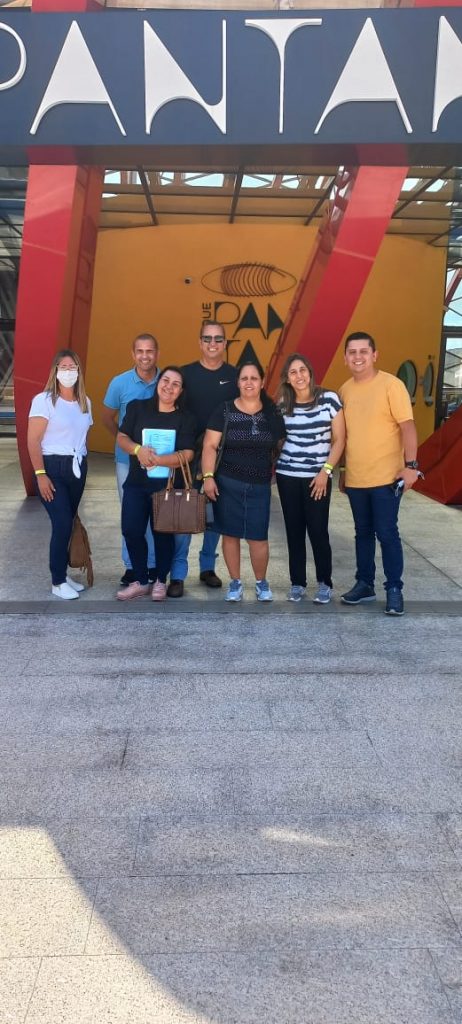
248 279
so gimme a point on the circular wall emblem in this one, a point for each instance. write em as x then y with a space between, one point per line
248 280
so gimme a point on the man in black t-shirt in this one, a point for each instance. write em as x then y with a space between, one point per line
208 382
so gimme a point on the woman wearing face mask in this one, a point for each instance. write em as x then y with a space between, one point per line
250 429
59 421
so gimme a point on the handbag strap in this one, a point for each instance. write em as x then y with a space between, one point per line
219 454
226 423
186 471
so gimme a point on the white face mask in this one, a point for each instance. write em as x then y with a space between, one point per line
67 377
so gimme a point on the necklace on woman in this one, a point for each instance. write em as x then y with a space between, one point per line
254 428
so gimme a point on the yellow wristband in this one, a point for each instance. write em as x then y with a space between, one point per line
136 449
40 472
207 476
328 465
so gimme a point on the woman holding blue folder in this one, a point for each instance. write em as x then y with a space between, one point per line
153 431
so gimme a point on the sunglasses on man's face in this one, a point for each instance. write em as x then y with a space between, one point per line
211 338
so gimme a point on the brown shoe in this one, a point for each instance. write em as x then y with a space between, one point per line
210 578
175 588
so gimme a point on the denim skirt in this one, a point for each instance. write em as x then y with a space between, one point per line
242 509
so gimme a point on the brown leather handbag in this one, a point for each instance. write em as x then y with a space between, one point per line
79 556
179 510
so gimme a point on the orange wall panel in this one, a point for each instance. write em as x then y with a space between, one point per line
402 308
140 285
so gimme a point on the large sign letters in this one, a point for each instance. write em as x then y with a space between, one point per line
385 78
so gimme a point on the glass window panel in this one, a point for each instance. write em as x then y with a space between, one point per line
408 374
437 185
451 397
290 181
453 314
204 180
112 177
410 184
7 415
257 180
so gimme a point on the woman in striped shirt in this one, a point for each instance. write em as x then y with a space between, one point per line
315 441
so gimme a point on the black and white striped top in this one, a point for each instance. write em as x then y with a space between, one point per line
309 433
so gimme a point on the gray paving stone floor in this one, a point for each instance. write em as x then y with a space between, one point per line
215 815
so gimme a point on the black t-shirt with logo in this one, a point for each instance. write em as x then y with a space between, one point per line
207 389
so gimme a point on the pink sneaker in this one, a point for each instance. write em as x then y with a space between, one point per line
133 590
159 591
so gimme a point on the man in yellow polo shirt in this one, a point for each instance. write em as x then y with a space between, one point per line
380 451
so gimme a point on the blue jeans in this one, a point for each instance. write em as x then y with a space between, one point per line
207 555
121 476
375 513
137 519
68 492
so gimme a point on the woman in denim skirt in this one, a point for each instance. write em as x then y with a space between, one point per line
247 431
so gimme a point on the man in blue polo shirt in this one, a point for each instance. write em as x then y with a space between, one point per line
139 382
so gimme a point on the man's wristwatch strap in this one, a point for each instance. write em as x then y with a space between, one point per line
412 464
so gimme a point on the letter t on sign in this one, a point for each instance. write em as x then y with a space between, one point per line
279 31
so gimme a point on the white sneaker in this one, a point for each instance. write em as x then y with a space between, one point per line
64 591
73 583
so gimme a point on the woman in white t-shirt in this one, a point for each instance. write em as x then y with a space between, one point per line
59 421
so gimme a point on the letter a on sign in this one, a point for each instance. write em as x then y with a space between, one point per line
75 79
366 77
165 81
448 79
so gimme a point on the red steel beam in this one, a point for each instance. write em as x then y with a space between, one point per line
347 244
56 270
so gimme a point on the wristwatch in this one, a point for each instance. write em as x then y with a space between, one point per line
413 464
